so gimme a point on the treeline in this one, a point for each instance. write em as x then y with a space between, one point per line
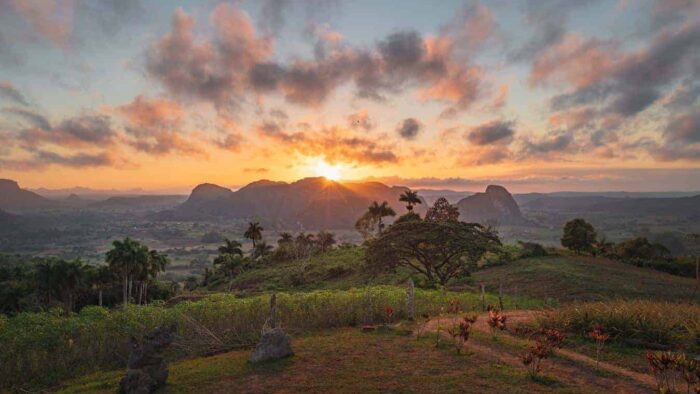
231 261
581 238
129 275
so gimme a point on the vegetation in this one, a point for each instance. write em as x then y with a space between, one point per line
638 322
254 232
371 223
410 198
439 250
43 348
442 211
579 236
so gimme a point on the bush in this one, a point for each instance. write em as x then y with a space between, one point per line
643 322
43 348
532 249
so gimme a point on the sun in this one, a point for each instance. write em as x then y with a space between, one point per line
331 172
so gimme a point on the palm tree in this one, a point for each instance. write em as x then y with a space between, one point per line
100 278
410 198
379 211
254 232
231 247
262 249
70 276
128 258
285 238
157 262
230 265
325 240
44 276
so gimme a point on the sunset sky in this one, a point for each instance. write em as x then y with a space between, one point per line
535 95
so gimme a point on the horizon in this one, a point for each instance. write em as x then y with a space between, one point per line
538 96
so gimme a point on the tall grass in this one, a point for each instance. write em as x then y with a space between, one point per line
40 349
650 322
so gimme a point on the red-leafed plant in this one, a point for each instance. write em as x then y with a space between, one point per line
460 332
388 313
667 366
497 320
599 336
545 343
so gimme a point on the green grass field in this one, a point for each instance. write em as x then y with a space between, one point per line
572 278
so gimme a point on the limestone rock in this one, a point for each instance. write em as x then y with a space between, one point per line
274 344
495 206
146 368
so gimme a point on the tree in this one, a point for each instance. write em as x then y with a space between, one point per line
325 240
101 278
261 250
579 236
303 245
69 276
254 232
439 250
127 258
231 247
442 211
285 238
230 265
380 211
410 198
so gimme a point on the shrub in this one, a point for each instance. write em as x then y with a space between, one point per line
43 348
636 322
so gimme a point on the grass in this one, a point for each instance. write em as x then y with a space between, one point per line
572 278
643 322
42 348
345 360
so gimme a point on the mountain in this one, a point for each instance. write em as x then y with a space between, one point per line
496 205
314 203
13 198
6 218
452 196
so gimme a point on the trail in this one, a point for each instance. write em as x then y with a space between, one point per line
570 371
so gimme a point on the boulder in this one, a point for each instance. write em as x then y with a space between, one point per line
274 344
147 369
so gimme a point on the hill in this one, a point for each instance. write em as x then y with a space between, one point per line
685 206
496 205
571 278
13 198
311 202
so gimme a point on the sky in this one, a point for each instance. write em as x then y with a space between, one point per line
542 95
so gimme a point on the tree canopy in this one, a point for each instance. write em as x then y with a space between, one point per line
439 250
442 211
579 236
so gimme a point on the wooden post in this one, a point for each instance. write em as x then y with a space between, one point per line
410 304
483 297
273 311
500 295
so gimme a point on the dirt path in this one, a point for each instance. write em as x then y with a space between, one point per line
568 367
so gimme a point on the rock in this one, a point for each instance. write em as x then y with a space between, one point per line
274 344
410 304
146 368
495 206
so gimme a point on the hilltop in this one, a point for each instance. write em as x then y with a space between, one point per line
309 202
495 205
14 198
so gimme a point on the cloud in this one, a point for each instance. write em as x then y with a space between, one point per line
635 80
78 131
51 20
494 132
214 71
236 62
258 170
409 128
333 143
11 93
231 142
40 159
573 119
543 147
360 120
683 96
156 126
684 128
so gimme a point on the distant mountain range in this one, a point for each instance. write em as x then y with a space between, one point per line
686 206
311 202
13 198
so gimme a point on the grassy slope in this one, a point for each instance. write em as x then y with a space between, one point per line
347 360
569 278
